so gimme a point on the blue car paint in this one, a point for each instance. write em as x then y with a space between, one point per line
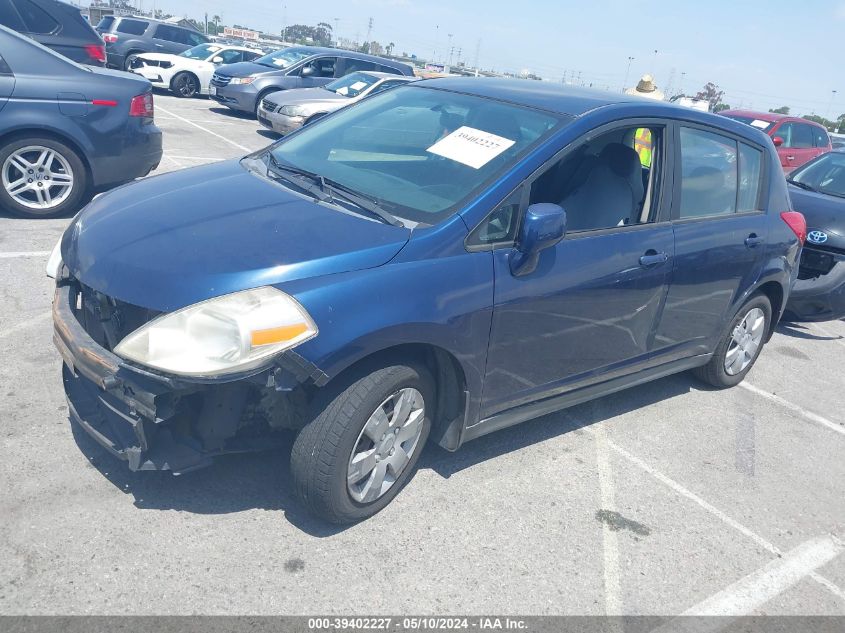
371 287
46 93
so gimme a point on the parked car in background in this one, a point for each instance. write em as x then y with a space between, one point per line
243 86
56 25
288 110
837 141
818 190
189 73
68 129
521 215
126 37
797 140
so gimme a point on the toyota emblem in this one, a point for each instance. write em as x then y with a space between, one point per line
817 237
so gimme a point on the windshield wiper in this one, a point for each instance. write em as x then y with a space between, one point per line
803 185
362 202
317 186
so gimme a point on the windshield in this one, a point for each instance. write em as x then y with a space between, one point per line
418 152
283 58
352 85
203 51
826 174
760 124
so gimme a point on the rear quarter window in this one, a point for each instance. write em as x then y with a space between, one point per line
35 19
132 27
820 137
9 16
106 23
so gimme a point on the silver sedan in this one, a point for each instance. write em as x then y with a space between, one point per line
286 111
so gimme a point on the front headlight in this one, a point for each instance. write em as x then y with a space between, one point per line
293 110
228 334
241 81
54 262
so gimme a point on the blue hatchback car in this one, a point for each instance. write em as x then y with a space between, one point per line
440 261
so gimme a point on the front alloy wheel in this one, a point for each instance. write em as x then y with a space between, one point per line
365 437
185 85
384 446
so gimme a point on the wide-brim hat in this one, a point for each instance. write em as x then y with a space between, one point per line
646 88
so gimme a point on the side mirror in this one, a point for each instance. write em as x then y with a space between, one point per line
544 226
778 141
217 60
307 71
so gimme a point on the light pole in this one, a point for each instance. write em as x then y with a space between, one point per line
830 105
449 48
627 72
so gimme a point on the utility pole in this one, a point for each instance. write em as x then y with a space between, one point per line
627 73
477 51
206 24
681 88
285 22
336 34
830 105
451 50
369 29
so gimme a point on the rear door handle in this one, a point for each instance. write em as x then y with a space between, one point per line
790 158
653 258
753 240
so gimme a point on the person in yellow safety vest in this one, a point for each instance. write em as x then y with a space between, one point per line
642 143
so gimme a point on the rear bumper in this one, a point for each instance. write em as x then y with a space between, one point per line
821 298
157 422
140 153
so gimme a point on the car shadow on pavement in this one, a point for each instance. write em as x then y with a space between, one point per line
235 483
797 329
235 114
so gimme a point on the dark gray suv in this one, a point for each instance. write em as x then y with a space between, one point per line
243 86
127 37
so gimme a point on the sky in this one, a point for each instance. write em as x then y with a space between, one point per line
763 54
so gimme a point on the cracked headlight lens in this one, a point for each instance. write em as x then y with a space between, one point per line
228 334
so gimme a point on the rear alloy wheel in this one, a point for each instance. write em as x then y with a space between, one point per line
361 447
40 178
185 84
130 59
740 344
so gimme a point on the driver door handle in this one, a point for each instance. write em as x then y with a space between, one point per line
653 258
753 240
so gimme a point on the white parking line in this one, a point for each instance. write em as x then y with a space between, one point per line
612 591
205 158
23 325
678 488
809 415
24 254
205 129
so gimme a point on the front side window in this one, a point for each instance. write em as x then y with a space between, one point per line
609 181
132 27
418 152
322 67
231 56
820 137
35 19
795 135
708 174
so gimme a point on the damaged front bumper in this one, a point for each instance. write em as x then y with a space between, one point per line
819 292
157 422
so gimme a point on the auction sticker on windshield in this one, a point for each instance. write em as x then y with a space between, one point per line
471 147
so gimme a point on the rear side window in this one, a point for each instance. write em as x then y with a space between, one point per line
132 27
708 174
4 67
195 39
353 65
9 16
750 177
250 55
35 19
388 69
820 137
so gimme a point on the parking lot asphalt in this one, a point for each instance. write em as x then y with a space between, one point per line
667 498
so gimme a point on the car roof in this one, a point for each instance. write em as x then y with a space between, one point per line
543 95
768 116
321 50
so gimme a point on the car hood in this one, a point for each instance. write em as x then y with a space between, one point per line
166 242
309 96
823 212
245 69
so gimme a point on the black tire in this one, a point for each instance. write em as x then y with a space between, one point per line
714 372
71 203
322 450
185 85
127 61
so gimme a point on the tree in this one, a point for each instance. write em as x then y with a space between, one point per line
780 110
389 49
323 34
376 48
711 94
829 125
365 48
721 106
